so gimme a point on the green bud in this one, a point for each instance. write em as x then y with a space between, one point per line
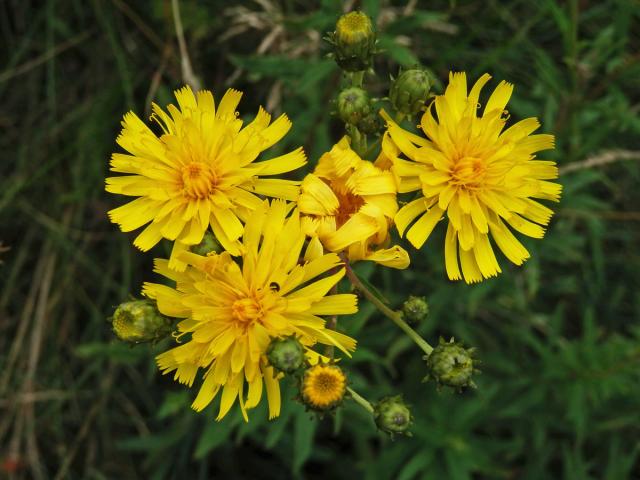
371 124
415 309
452 365
354 42
139 321
208 244
286 354
354 105
410 91
392 415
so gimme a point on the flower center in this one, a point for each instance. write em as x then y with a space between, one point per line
323 386
326 383
198 180
247 310
468 172
349 204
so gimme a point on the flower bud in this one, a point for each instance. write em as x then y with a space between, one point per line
208 244
354 42
354 105
392 415
286 354
139 321
410 91
452 365
323 387
371 124
415 309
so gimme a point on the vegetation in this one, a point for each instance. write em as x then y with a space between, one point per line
559 338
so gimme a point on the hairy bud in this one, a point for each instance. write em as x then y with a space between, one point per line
415 309
410 91
353 42
286 354
392 415
452 365
139 321
354 105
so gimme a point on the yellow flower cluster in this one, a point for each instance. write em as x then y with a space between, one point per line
277 276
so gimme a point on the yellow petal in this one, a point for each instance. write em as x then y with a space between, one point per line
339 304
485 258
284 163
421 230
507 242
206 394
470 270
394 257
357 228
451 254
499 98
408 213
273 391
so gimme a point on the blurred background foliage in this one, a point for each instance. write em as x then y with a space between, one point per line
559 396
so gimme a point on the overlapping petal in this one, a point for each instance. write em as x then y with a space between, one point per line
348 204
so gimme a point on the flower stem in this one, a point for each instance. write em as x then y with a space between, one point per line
363 402
357 79
394 316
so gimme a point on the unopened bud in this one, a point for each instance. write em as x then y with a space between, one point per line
392 415
371 124
354 105
354 42
415 309
208 244
452 365
410 91
139 321
286 354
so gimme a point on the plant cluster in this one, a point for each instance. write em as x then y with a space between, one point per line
257 260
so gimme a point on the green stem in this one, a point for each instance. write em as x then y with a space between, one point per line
394 316
371 150
363 402
357 79
358 140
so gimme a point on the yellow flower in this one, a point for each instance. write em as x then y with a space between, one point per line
323 386
348 205
484 178
200 172
233 308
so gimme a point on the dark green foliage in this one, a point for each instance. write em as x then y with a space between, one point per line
558 338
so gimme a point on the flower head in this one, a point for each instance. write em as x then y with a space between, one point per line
233 308
348 205
354 41
200 172
484 178
410 91
452 365
323 387
286 354
393 416
138 321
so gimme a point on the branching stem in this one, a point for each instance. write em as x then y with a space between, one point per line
394 316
